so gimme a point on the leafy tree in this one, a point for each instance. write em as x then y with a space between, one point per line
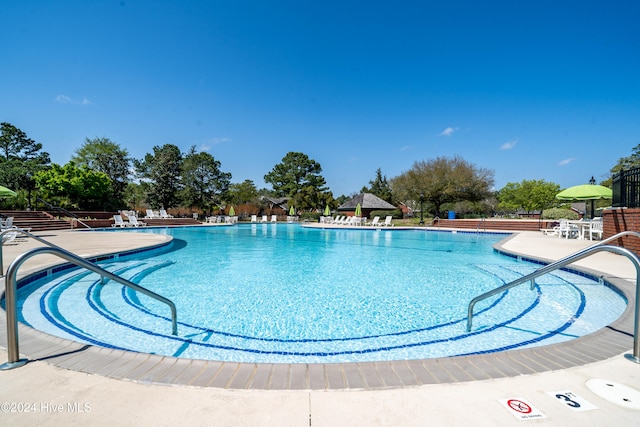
379 187
629 162
103 155
443 180
19 156
528 195
203 181
74 187
160 175
298 177
244 192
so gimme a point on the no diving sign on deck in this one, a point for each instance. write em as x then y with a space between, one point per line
521 409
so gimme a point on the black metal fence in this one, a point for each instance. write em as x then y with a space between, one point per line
626 189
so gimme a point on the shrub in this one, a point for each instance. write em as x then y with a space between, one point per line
559 213
310 216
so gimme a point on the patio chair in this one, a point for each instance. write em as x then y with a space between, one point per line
7 223
133 221
164 214
150 214
567 230
387 221
119 222
9 237
595 228
264 218
254 218
274 218
375 222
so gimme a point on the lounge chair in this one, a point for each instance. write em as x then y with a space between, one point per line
9 236
150 214
119 222
7 223
254 218
387 221
274 218
164 214
264 218
133 221
375 222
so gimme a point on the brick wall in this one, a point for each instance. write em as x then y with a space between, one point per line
622 219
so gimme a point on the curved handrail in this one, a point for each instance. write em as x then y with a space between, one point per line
73 216
590 250
11 290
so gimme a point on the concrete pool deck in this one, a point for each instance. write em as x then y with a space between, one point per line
79 385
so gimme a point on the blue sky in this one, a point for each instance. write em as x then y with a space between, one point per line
533 90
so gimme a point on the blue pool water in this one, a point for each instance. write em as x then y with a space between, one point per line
285 293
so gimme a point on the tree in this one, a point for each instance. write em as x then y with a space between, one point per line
244 192
160 175
379 187
629 162
298 177
75 187
19 156
103 155
443 180
203 181
528 195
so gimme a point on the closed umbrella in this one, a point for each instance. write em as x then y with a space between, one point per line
327 211
232 211
292 211
358 212
585 192
5 192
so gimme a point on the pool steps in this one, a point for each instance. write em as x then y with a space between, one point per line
101 314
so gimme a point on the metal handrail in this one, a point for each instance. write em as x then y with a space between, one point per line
590 250
480 223
73 216
11 290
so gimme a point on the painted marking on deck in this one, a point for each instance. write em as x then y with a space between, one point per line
572 401
521 409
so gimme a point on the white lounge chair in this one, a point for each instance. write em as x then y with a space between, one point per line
119 222
375 222
254 218
133 221
7 223
164 214
387 221
264 218
274 218
9 236
150 214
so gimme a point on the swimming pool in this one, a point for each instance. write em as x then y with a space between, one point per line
284 293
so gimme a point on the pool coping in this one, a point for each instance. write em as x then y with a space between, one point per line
606 343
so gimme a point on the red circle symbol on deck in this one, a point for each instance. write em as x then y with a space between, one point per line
519 406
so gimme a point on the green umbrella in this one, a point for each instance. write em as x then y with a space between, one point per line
327 211
585 192
358 210
5 192
292 211
232 212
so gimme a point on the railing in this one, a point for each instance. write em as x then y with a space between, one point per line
626 188
64 211
481 222
14 360
598 247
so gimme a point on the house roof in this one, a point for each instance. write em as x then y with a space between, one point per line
276 201
367 201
